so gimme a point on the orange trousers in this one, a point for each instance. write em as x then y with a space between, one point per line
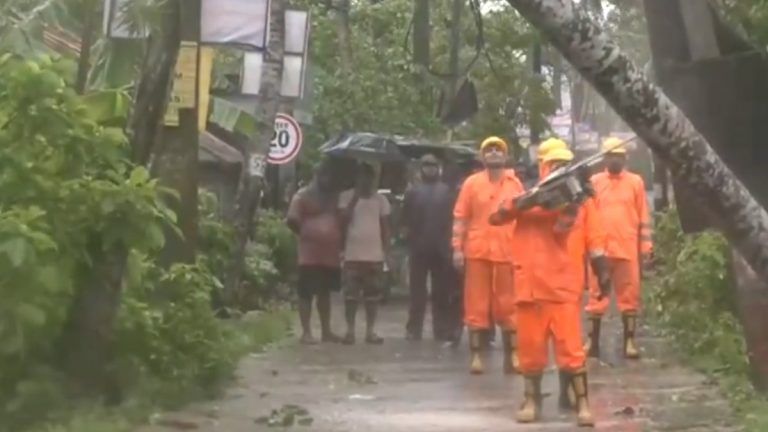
536 323
625 275
488 292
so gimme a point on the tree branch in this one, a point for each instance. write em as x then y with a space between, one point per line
661 124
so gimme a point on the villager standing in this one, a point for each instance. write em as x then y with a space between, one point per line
365 225
427 223
314 218
623 205
484 252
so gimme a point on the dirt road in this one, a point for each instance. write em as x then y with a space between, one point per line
423 386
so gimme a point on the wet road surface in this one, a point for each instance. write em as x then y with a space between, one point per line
405 386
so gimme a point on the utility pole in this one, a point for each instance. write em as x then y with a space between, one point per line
252 173
175 162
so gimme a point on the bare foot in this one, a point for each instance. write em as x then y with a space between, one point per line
330 337
374 339
349 339
307 339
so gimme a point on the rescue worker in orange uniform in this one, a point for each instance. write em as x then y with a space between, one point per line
547 293
484 253
586 246
623 206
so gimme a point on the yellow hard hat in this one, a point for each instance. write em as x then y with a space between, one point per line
558 154
549 145
612 145
494 140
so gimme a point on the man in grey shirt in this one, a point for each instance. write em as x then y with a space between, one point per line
427 220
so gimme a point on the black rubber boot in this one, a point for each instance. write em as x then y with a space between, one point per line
567 399
593 339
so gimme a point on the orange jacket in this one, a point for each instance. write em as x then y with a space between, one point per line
478 199
587 239
544 267
623 206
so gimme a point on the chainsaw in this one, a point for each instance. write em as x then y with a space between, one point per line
566 185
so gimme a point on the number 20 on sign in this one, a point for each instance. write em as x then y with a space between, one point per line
286 140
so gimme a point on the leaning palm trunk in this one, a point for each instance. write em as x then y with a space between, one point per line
661 124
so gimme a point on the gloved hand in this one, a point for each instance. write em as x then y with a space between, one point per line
458 260
526 201
589 188
647 261
602 271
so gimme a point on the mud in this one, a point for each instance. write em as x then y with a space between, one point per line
405 386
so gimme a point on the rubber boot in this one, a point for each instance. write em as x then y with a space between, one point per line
584 416
475 347
511 361
592 347
567 399
530 410
630 346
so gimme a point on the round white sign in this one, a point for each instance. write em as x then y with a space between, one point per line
286 141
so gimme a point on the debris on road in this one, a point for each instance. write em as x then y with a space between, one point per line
287 416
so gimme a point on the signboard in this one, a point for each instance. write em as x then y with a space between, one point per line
286 141
257 166
184 89
235 22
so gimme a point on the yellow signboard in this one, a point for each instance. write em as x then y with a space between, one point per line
183 92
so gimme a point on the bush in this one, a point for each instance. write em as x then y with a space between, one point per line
262 274
68 194
273 233
691 300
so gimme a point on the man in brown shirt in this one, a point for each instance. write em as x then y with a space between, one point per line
314 217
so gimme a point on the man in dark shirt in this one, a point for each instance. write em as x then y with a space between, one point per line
427 213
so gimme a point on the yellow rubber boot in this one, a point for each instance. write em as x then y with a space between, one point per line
584 416
530 410
476 366
630 346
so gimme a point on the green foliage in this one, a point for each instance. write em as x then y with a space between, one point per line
68 194
166 327
751 17
691 300
273 233
268 260
382 90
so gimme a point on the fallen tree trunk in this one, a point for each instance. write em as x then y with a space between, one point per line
662 125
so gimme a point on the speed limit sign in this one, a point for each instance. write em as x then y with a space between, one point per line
286 141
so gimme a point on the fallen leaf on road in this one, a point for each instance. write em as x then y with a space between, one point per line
359 377
286 416
179 424
627 411
307 421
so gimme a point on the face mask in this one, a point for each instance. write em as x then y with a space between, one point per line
615 166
